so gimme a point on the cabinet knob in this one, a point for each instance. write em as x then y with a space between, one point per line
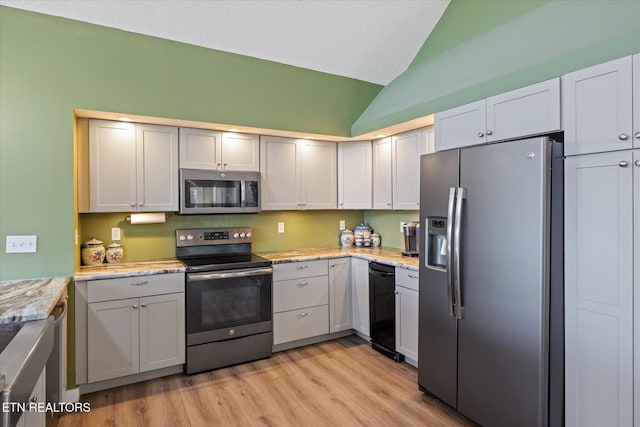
141 204
143 305
134 306
396 292
489 132
225 163
637 163
480 134
302 284
637 135
623 137
623 164
303 314
388 204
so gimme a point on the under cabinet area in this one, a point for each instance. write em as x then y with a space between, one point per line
128 326
407 314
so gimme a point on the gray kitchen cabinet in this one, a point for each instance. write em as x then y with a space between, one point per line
215 150
132 167
298 174
340 318
597 108
406 149
527 111
600 273
355 175
127 326
360 296
300 300
407 314
382 186
636 100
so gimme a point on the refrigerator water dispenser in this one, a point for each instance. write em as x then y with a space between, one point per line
436 244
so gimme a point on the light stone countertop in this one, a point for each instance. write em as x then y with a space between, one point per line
30 299
129 269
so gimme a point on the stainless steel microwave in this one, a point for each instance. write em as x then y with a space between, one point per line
217 192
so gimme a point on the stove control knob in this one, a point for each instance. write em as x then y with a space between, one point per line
236 235
189 237
242 235
248 234
182 237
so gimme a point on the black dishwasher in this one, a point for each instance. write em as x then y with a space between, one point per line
382 310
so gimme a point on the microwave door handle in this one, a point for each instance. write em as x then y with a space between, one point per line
450 220
247 272
461 195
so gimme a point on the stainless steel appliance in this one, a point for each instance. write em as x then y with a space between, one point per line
491 284
211 192
382 310
411 231
228 298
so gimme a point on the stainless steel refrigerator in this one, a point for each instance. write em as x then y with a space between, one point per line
491 282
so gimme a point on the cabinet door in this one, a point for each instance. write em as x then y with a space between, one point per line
157 168
162 331
531 110
112 339
300 324
354 175
406 151
382 174
280 173
339 295
596 108
636 100
360 295
407 322
240 152
112 166
636 284
461 126
598 290
199 149
318 173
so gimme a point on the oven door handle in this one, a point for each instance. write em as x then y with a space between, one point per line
246 272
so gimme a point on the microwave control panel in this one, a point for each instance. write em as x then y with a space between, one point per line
213 236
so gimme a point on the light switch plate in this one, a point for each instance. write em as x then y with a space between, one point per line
21 244
115 233
342 224
281 227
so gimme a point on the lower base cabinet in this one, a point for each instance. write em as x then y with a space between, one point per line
360 296
407 313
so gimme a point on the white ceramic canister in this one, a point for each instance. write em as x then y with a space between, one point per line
346 238
114 253
375 240
92 252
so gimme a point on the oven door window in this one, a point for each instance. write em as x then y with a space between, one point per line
212 193
224 303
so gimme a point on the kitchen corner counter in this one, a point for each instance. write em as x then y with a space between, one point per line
383 255
129 269
30 299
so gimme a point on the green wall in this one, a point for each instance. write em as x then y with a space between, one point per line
485 47
50 66
387 224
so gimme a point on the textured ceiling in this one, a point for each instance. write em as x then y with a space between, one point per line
370 40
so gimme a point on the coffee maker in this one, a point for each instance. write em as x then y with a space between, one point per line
411 232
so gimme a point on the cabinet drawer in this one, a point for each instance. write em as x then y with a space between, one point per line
299 293
407 278
298 324
134 287
296 270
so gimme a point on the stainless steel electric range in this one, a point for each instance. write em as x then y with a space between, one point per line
228 298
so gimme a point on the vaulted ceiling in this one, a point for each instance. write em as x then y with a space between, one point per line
369 40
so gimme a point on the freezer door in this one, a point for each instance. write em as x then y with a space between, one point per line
502 336
437 328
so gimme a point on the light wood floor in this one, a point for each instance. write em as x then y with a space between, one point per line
336 383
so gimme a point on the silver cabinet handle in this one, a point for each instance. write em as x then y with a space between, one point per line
143 305
461 194
412 276
637 163
301 315
489 132
302 267
302 284
218 165
450 211
480 134
388 204
623 137
139 283
396 292
134 306
244 272
141 204
623 164
637 135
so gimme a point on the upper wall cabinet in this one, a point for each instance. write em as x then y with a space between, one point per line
354 175
597 108
132 167
406 149
382 174
523 112
209 149
636 100
298 174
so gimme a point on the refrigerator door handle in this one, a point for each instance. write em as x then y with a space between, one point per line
450 212
461 195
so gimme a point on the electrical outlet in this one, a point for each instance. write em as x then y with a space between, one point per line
402 224
20 244
115 233
342 224
281 227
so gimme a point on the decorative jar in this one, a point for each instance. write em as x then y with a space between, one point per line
92 252
346 238
115 253
375 240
